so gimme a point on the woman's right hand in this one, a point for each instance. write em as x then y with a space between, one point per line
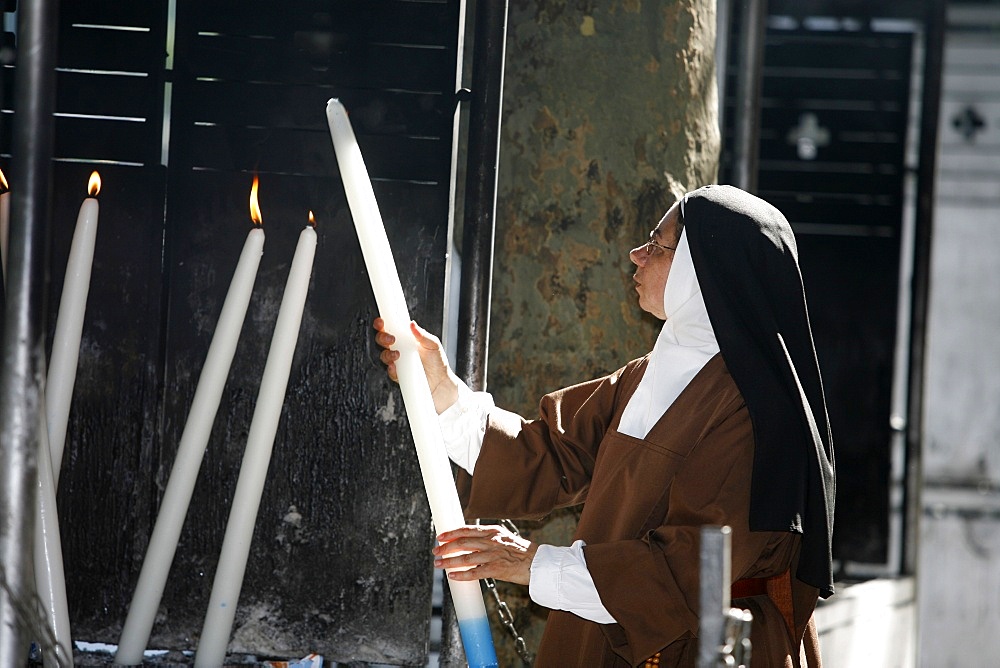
441 379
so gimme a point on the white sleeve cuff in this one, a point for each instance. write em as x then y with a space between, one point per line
463 426
560 581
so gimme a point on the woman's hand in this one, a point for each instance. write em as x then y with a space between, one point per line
441 379
485 552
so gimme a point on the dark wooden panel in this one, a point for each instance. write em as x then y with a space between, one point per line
856 124
860 181
114 50
109 95
303 107
385 21
101 117
310 152
91 93
147 14
100 139
841 209
846 147
852 286
846 204
817 84
351 65
856 9
839 51
785 113
6 104
6 135
853 180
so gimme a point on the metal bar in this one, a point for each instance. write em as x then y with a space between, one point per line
723 29
478 227
751 57
935 21
23 344
713 594
479 221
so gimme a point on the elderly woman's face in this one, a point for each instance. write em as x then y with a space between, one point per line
653 260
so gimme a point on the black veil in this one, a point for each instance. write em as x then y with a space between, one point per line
746 259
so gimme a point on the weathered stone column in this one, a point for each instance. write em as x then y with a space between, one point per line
609 114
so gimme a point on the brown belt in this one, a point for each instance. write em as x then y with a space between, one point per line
748 587
777 588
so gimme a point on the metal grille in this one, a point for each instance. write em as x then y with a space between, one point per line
835 110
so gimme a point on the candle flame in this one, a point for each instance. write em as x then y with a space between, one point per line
254 205
3 182
312 219
94 185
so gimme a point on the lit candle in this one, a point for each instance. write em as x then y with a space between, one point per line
191 451
256 458
446 509
4 223
50 578
69 325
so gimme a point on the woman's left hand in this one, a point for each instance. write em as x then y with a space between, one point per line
485 552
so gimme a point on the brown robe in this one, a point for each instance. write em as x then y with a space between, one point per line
645 501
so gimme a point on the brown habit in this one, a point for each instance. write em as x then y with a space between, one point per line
645 501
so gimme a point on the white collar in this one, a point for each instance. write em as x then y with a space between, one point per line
685 343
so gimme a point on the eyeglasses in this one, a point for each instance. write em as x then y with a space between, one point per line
655 249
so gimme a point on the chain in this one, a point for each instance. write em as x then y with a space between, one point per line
503 612
737 650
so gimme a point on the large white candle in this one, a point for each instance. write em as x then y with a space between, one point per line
50 578
446 509
191 451
69 325
4 224
256 458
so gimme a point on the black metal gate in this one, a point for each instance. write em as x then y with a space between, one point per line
177 112
835 101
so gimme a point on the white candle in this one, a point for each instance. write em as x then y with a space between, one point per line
446 509
191 451
50 578
4 224
69 325
256 458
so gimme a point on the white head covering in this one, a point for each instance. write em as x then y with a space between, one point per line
685 344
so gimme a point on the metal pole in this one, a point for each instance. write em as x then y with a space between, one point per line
935 25
478 226
481 192
747 121
713 594
21 377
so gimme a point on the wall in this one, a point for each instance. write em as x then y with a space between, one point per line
868 624
958 594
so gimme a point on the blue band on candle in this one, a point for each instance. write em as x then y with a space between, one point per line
478 642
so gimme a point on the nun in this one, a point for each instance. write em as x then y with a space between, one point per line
724 422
